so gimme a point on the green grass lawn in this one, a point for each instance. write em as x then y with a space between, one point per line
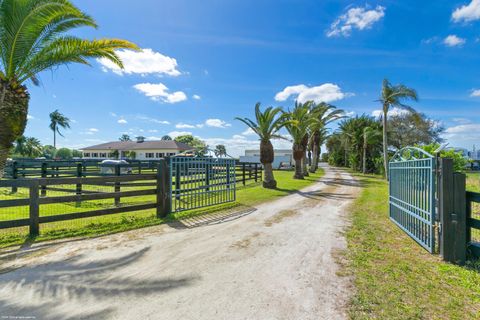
473 181
394 277
249 195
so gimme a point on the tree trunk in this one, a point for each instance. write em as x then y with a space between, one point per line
385 145
314 166
266 158
298 155
304 164
364 158
55 138
13 118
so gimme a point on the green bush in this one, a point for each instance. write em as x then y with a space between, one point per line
459 161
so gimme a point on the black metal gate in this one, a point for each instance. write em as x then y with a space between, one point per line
201 182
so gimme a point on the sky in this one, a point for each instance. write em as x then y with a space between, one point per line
203 63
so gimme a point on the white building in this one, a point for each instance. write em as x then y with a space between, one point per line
281 156
140 150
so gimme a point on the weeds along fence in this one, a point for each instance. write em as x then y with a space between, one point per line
177 184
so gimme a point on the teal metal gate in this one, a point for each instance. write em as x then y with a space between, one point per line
412 194
201 182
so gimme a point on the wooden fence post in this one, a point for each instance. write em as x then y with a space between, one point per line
256 172
243 173
44 175
14 175
78 187
34 209
164 201
452 210
117 185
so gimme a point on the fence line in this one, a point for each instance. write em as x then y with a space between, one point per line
473 222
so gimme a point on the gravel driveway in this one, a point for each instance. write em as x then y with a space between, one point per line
275 262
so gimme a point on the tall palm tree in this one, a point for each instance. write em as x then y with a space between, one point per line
220 150
33 39
322 114
57 121
370 136
297 123
393 96
266 127
33 147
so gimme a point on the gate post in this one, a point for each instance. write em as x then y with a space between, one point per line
34 209
164 201
452 210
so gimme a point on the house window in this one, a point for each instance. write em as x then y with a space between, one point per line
149 155
159 155
103 155
94 155
172 154
86 154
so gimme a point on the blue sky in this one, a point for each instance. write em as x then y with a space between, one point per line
206 62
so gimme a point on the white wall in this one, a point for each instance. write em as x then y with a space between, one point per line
139 154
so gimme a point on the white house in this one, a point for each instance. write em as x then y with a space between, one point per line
140 150
284 156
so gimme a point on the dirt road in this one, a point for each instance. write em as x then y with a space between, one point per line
276 262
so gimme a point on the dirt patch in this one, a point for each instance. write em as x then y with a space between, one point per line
279 217
245 243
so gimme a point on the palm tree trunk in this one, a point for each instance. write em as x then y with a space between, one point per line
304 164
314 166
298 155
55 139
13 118
364 158
266 158
385 145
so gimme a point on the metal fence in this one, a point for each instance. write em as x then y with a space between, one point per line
412 195
201 182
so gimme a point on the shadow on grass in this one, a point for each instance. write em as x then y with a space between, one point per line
78 280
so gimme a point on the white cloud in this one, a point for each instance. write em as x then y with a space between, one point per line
149 119
453 41
175 134
153 131
463 135
326 92
475 93
350 113
217 123
468 12
462 120
248 132
392 112
122 121
196 97
184 126
90 131
30 117
159 92
355 18
142 62
113 114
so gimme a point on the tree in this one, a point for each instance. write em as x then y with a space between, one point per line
20 145
64 154
266 127
220 151
322 114
29 147
33 39
412 128
297 123
76 153
393 96
198 145
48 151
370 136
166 138
125 137
459 161
140 138
57 121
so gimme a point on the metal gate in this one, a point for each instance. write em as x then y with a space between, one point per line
201 182
412 194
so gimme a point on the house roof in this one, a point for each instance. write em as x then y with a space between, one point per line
146 145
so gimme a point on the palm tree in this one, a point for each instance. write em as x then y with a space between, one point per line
33 39
166 138
370 136
125 137
57 121
322 114
220 151
33 147
392 96
266 127
297 123
20 145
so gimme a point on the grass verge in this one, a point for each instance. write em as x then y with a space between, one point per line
247 196
394 277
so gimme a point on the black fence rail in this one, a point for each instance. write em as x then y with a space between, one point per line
248 171
473 223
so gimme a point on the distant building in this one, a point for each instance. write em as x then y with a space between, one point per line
281 156
140 150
